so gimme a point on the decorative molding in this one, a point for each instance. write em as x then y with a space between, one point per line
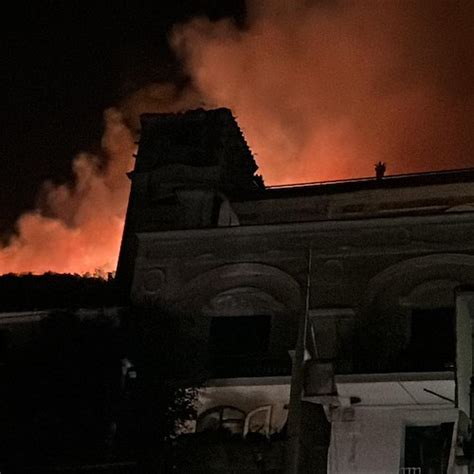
251 281
402 278
331 313
243 301
153 281
149 284
449 232
431 294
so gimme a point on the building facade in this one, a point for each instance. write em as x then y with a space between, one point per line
336 315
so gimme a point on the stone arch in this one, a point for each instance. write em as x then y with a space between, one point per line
240 281
427 282
417 274
268 296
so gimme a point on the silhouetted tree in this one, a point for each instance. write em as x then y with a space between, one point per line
52 290
170 360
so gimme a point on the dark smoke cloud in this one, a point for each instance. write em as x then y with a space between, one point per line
323 90
77 227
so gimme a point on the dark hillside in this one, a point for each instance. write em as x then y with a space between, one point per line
29 292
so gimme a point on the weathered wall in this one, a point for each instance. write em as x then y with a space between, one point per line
372 442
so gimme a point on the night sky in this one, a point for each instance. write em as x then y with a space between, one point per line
322 90
63 64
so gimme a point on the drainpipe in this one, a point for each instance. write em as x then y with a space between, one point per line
471 440
297 378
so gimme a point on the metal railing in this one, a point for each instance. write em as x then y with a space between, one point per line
387 177
410 470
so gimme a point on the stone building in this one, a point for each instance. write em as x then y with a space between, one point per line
337 313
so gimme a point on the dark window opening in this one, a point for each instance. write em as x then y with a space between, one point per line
432 342
238 347
216 207
239 336
428 447
4 341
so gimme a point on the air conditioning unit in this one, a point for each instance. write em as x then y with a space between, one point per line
318 378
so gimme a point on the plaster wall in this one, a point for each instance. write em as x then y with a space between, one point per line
278 207
372 442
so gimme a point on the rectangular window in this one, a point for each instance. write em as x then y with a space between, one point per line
239 335
432 342
4 341
427 448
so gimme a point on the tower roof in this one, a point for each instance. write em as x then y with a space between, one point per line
199 139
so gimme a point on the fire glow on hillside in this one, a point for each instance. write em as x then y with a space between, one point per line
322 90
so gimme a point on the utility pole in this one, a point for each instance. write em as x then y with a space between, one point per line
297 379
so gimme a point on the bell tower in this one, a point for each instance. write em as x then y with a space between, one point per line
188 166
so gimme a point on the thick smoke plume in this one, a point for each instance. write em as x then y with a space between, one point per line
322 90
77 227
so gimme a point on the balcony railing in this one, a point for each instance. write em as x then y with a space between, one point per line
410 470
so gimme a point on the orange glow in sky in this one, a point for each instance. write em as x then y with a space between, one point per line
321 91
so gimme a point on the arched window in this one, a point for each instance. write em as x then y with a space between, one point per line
221 418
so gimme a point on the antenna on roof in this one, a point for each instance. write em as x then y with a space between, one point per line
380 169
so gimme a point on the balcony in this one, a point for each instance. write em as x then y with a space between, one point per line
376 390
